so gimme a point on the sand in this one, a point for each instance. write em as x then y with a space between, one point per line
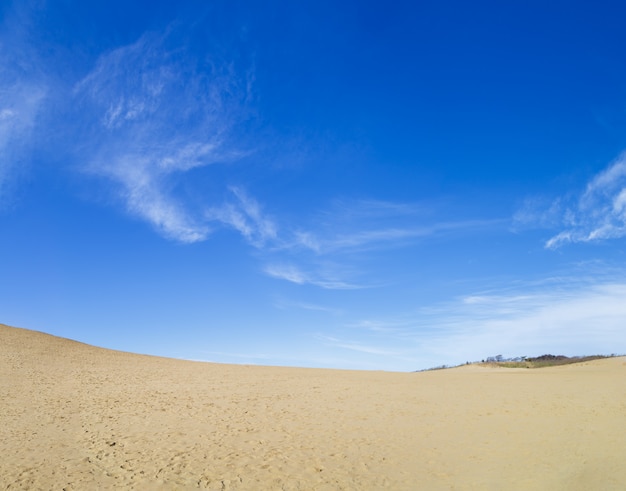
77 417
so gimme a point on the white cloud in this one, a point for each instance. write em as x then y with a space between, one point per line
377 326
598 213
569 318
575 320
287 272
260 228
307 240
606 181
144 198
371 350
386 237
23 91
246 216
351 226
153 114
20 101
293 274
284 303
341 243
537 212
560 239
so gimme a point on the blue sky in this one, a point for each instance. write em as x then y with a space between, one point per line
323 184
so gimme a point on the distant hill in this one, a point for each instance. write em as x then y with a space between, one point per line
542 361
546 361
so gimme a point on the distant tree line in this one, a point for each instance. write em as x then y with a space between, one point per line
528 361
548 357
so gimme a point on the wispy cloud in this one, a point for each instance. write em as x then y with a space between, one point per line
388 326
341 243
23 90
246 216
359 346
350 226
283 303
156 118
395 237
293 274
145 196
153 113
574 321
20 101
595 214
559 317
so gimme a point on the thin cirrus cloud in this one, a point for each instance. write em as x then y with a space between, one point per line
352 345
19 104
576 319
283 304
245 215
597 213
361 225
581 320
23 90
385 237
347 226
145 134
337 249
322 278
150 139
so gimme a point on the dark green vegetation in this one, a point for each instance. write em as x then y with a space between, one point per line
528 362
544 361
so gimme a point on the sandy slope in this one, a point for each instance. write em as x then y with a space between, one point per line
74 416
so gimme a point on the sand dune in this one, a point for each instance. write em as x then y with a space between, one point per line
76 417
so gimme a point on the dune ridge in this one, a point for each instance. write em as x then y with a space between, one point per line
74 416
